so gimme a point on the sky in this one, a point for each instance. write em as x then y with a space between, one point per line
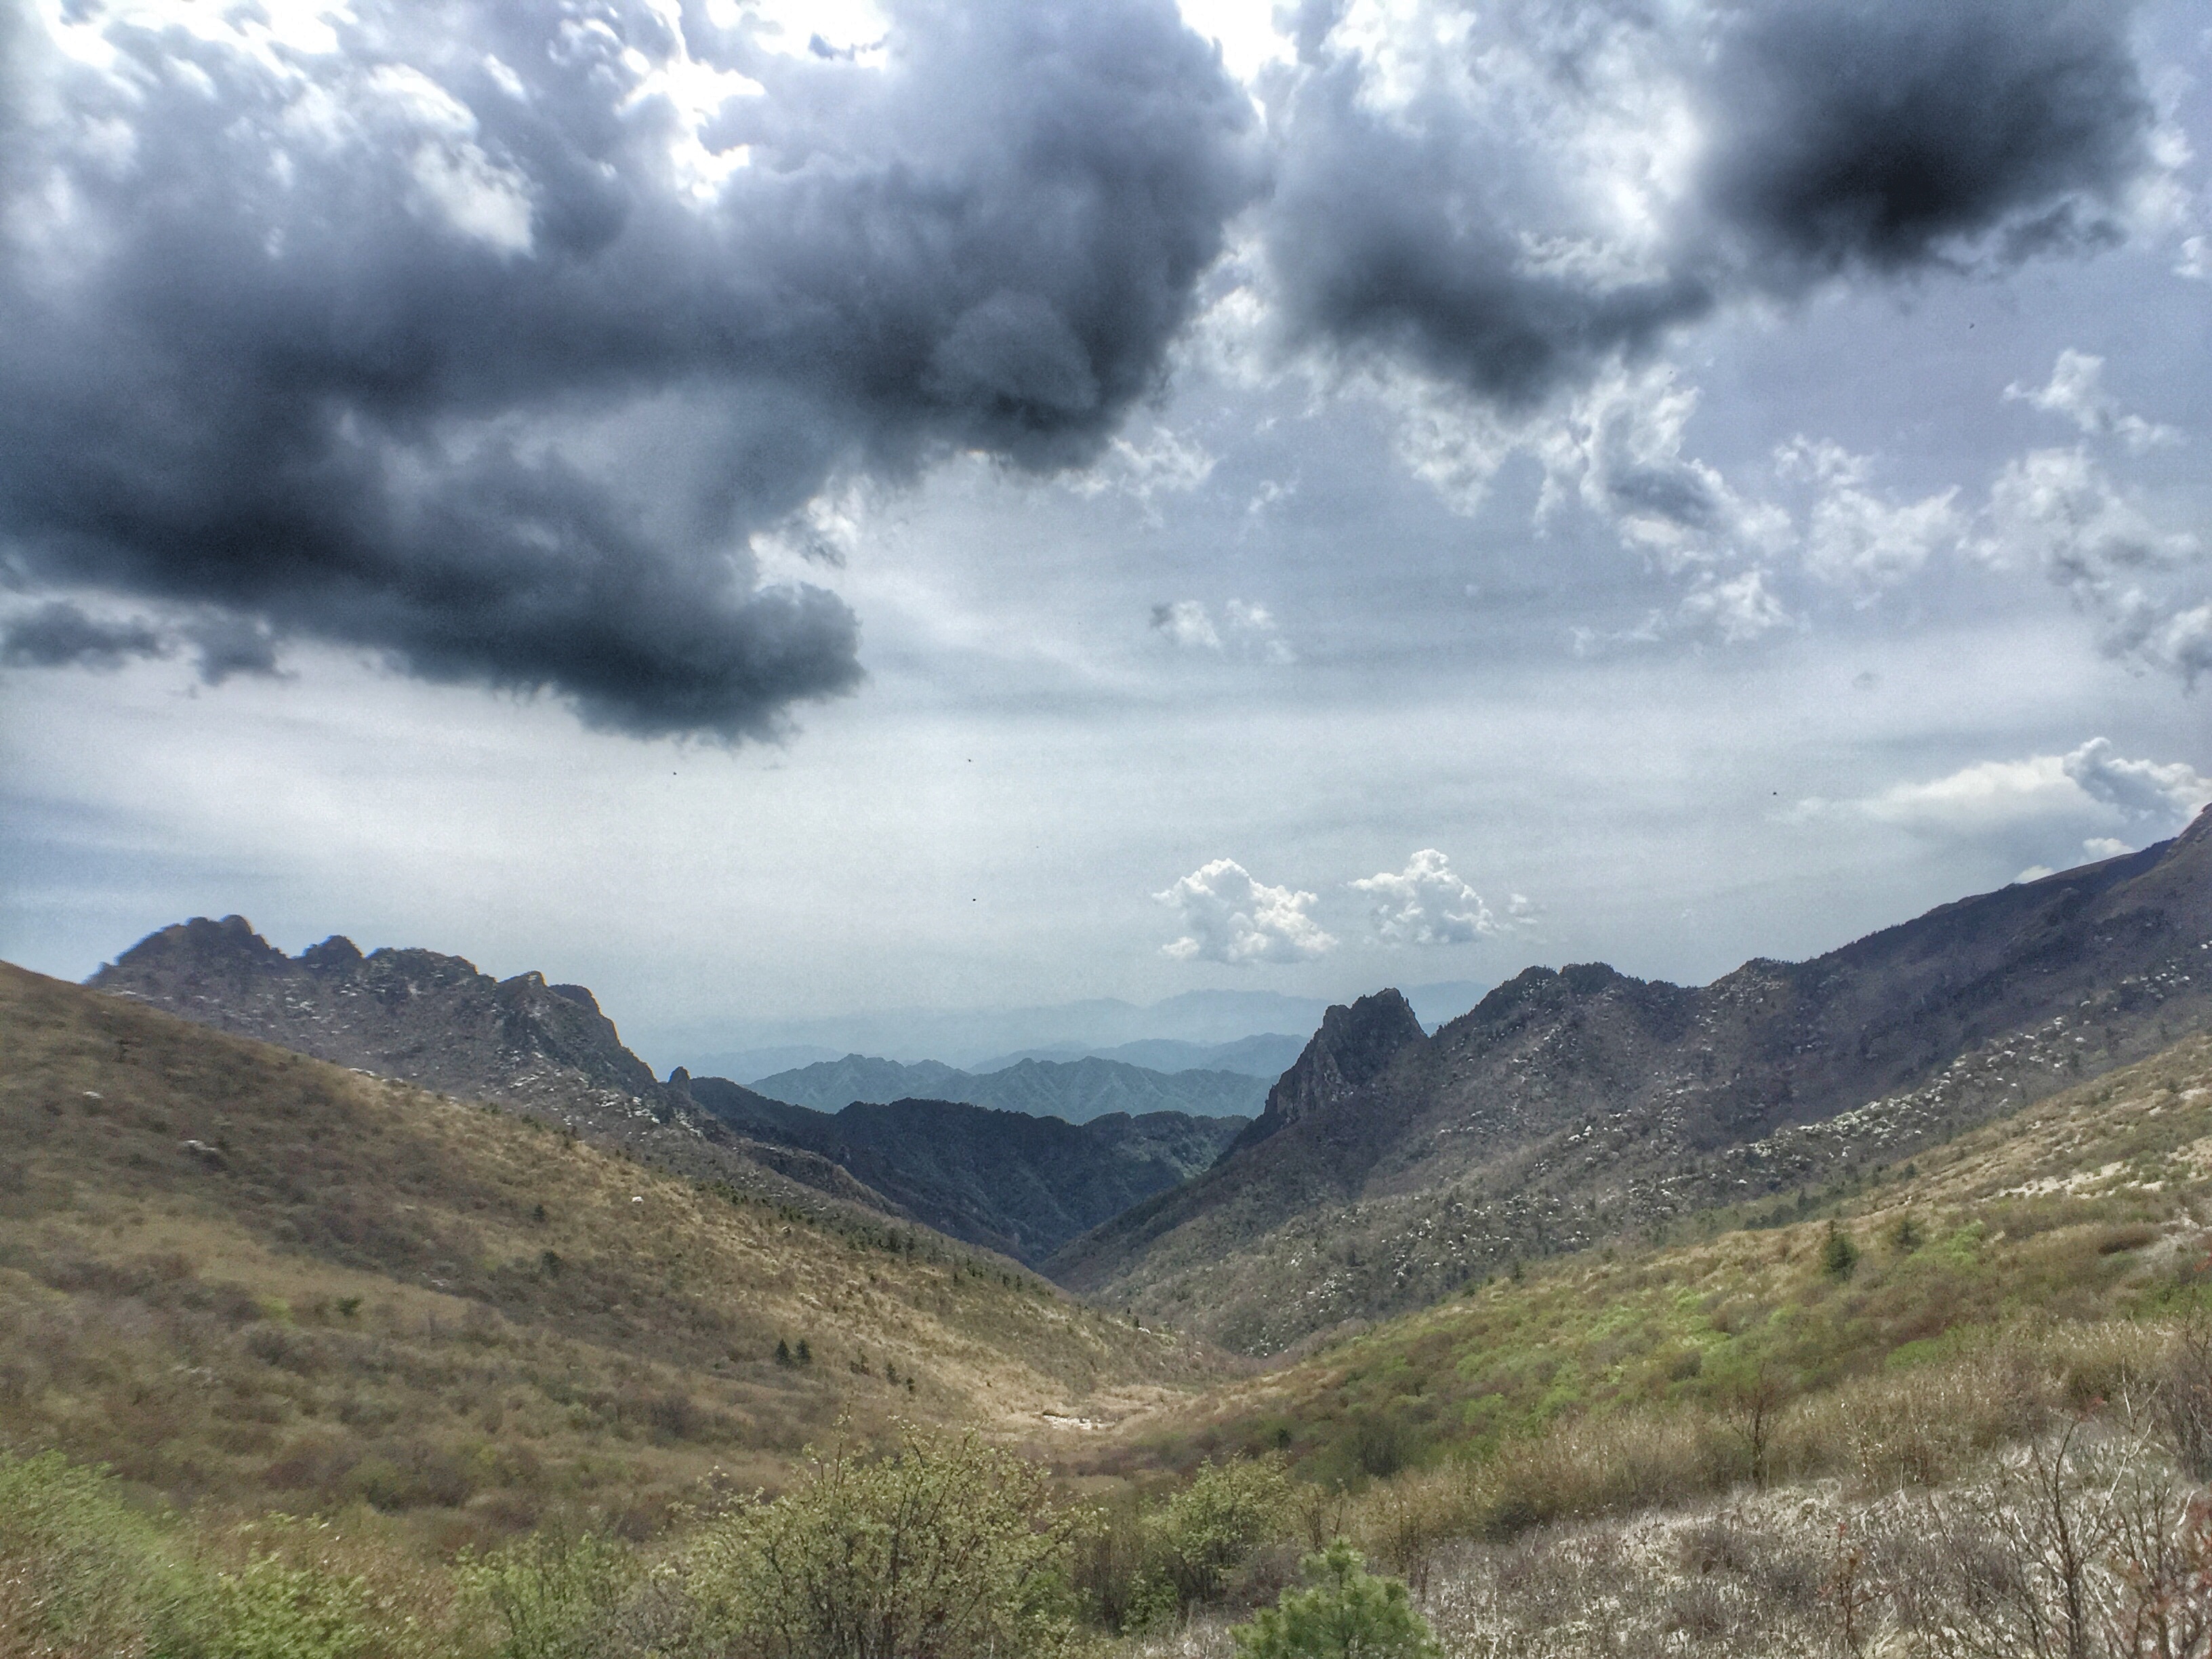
781 514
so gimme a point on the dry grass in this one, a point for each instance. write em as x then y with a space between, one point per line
2090 1206
235 1274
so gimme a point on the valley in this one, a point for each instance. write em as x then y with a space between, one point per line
1688 1284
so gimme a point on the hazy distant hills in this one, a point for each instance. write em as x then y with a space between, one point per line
1569 1106
1267 1054
1077 1089
979 1039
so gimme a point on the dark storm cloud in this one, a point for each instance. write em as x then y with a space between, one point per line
58 634
1884 135
427 345
1461 215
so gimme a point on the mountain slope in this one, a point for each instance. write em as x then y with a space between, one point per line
230 1270
434 1021
2090 1203
1074 1089
1389 1167
1009 1181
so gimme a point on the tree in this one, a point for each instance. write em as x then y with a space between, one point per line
1347 1613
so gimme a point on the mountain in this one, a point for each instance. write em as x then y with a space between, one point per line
981 1039
1389 1166
1010 1181
1262 1055
234 1273
964 1036
434 1021
1075 1089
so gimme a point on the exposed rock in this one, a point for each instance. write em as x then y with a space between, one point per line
1571 1106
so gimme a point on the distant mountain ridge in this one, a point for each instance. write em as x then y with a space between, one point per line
970 1038
1568 1106
1018 1182
1263 1054
433 1020
1075 1091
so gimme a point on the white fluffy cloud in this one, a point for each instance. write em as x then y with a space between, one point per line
1227 916
1426 903
2058 509
2093 782
1853 538
1250 627
2076 391
2140 789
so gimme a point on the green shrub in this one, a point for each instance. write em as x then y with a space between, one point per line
556 1592
946 1548
81 1572
269 1610
1211 1527
1345 1613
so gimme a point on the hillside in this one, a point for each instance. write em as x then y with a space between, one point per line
1020 1184
547 1049
234 1272
433 1020
1076 1090
1265 1055
2093 1204
1389 1167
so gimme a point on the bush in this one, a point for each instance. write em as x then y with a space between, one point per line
1213 1525
269 1610
942 1550
1346 1613
556 1592
81 1573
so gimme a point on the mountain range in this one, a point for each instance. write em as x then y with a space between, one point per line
1389 1165
1076 1090
977 1038
993 1178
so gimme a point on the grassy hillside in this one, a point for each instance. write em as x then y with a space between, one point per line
2088 1207
236 1273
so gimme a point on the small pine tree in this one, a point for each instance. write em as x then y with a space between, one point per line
1839 1257
783 1352
1347 1613
805 1352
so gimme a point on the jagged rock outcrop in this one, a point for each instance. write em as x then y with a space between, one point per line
435 1021
1009 1181
1352 1049
1570 1106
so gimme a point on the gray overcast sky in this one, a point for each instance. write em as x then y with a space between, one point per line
792 511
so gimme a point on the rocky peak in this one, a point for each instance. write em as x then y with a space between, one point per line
1352 1049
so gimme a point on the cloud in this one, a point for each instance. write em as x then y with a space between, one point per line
2140 789
1251 630
58 634
1229 917
2093 780
1892 136
485 337
1512 199
1185 625
2076 391
1855 539
1426 903
2058 509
